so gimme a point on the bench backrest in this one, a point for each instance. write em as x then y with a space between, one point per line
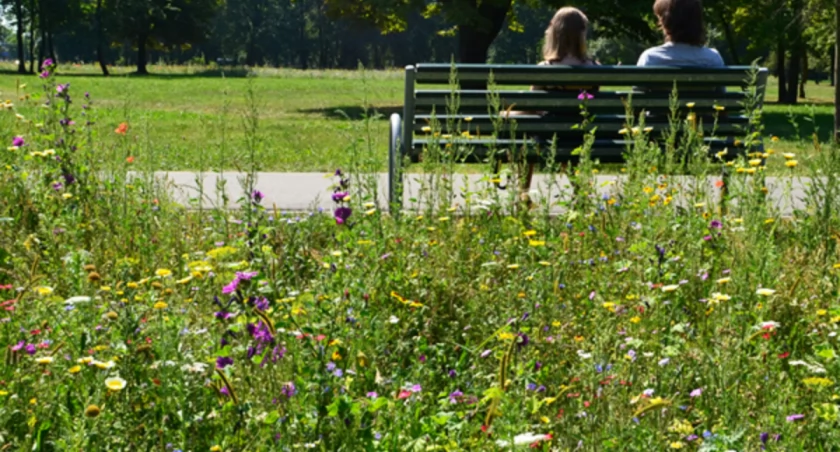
556 113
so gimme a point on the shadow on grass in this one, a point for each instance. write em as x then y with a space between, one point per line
354 113
204 73
781 124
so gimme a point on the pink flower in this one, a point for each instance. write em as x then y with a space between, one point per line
696 392
585 96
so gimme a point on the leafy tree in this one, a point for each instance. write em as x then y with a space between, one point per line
162 24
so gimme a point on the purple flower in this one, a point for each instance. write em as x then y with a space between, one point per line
49 62
715 224
18 141
339 196
223 361
57 186
261 303
795 417
288 390
454 395
45 74
416 388
764 437
223 315
30 349
230 288
246 276
691 437
338 172
342 214
257 196
330 366
696 393
486 353
707 238
18 347
60 89
372 395
585 96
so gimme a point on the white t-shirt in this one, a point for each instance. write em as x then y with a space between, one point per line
679 54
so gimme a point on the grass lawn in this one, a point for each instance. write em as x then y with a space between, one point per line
180 113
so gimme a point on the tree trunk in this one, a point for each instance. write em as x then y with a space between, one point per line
100 39
804 77
51 47
796 51
837 72
832 75
142 54
19 34
32 29
477 34
730 37
780 69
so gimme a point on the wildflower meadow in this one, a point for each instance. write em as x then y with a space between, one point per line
666 308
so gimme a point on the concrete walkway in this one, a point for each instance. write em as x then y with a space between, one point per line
310 191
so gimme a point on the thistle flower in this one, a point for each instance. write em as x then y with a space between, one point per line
342 214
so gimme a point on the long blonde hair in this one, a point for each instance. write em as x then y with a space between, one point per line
566 35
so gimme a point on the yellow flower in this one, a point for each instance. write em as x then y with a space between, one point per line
160 305
670 288
817 381
677 445
104 365
821 312
718 297
67 195
336 356
769 221
513 266
648 129
755 162
215 449
4 393
426 129
544 263
506 336
44 290
184 280
132 285
765 292
719 107
749 170
690 105
700 204
443 219
788 155
636 319
75 369
163 272
44 360
774 139
468 119
370 212
623 131
578 338
529 233
115 383
536 242
105 288
791 163
85 360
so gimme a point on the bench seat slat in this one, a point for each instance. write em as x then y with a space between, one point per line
605 150
478 124
599 75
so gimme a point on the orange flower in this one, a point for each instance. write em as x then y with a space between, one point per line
130 159
122 129
719 184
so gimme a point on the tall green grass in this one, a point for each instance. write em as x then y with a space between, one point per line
643 317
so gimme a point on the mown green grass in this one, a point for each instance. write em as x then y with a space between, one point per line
303 126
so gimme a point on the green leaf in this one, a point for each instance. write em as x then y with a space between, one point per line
272 418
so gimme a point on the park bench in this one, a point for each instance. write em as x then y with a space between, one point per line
556 114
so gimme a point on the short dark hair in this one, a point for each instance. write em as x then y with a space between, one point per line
682 21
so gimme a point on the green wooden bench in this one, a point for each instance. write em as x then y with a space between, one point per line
556 114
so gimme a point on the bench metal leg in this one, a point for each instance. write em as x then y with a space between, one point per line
394 160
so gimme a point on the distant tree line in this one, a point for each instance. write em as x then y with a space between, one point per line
796 38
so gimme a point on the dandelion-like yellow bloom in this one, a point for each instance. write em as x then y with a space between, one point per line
788 155
115 383
163 272
648 129
160 305
184 280
530 233
765 292
44 290
822 312
132 285
426 129
774 139
690 105
513 266
85 360
67 195
75 369
635 319
506 336
791 163
536 243
103 365
677 445
215 449
755 162
44 360
623 131
670 288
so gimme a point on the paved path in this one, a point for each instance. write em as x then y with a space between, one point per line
310 191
